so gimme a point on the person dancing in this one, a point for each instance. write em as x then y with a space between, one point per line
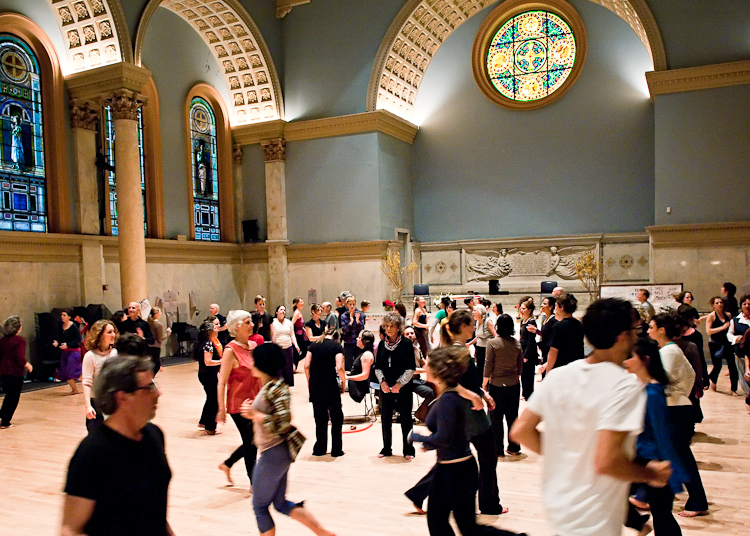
100 343
237 384
13 367
455 478
278 442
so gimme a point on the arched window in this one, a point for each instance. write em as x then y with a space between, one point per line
110 184
23 205
205 171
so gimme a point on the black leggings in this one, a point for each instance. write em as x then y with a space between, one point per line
247 450
728 354
454 488
210 382
506 407
12 386
322 411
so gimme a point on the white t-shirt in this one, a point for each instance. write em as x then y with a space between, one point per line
575 402
681 375
92 364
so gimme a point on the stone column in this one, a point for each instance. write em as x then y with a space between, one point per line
132 244
274 152
239 212
83 119
92 271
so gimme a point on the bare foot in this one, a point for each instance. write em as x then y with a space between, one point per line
747 407
690 513
646 529
419 510
713 386
735 394
228 472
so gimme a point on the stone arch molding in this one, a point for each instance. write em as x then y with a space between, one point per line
239 49
423 25
94 33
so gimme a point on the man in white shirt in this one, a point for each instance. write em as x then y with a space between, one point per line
642 296
592 411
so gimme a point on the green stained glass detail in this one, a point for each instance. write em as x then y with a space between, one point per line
531 56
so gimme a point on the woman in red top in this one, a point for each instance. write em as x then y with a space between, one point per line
298 321
13 368
237 384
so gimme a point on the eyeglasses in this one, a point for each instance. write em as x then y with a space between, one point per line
151 388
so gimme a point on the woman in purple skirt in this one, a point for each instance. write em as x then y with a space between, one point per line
69 343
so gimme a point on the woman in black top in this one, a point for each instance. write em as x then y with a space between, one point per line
528 346
69 343
394 368
454 477
323 363
207 351
717 324
359 377
315 327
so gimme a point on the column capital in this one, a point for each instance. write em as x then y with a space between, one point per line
125 104
83 115
274 150
237 154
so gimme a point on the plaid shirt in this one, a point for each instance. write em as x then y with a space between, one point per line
279 421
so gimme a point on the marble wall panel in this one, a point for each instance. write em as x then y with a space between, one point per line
625 262
362 278
702 270
36 287
441 267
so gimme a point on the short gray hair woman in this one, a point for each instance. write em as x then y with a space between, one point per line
234 319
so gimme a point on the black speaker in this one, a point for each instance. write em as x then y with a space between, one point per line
494 287
250 230
548 286
97 311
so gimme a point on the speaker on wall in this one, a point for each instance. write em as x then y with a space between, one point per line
250 230
494 287
548 286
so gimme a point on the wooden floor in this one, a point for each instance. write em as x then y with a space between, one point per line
357 494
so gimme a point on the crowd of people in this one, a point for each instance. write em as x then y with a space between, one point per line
484 363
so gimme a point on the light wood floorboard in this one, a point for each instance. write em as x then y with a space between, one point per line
357 494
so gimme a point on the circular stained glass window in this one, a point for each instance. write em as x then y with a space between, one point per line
527 58
531 56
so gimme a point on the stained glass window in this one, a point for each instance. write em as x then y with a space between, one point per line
531 56
108 137
22 174
203 145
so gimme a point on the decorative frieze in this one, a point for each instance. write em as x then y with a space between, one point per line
237 154
518 262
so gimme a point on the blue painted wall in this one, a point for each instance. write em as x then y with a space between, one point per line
332 189
329 50
395 191
702 157
582 164
178 59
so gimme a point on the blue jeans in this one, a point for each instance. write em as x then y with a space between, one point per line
269 485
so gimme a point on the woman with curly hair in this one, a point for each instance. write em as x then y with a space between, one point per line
100 343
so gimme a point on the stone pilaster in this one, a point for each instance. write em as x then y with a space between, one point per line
92 272
274 152
239 212
132 245
84 118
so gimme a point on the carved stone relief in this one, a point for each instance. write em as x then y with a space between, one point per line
483 265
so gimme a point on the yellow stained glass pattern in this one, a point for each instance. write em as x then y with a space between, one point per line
531 56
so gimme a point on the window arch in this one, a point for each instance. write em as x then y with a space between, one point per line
22 171
40 130
209 159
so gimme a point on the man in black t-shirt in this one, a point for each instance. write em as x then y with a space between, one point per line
262 319
119 476
223 334
133 323
566 342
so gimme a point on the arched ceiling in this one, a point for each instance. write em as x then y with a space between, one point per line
239 49
94 33
423 25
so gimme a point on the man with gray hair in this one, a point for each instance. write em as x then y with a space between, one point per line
329 317
119 476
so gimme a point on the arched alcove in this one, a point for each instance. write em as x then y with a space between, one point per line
239 49
422 26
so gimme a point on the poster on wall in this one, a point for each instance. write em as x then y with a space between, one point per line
662 295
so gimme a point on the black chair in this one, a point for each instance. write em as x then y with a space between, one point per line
186 334
548 287
423 289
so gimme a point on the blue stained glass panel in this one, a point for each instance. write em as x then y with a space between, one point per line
22 167
205 173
